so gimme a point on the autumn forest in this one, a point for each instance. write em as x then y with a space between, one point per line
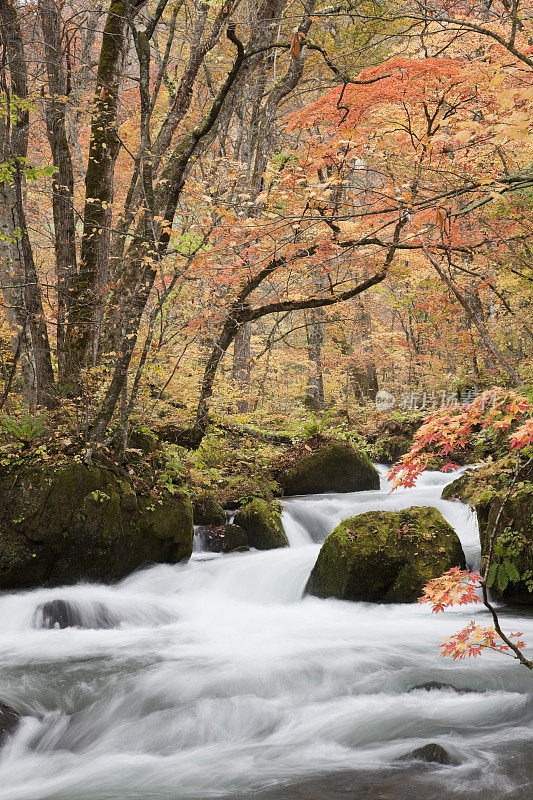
266 399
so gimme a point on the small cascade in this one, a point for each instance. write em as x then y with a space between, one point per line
219 681
313 517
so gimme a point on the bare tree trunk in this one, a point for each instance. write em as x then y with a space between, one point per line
150 241
314 391
241 371
83 326
363 371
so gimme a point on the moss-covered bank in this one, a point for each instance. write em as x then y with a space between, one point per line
484 490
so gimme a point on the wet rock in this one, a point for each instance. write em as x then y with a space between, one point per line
517 516
9 722
431 754
335 467
435 686
60 525
385 556
431 686
262 523
206 510
64 614
223 538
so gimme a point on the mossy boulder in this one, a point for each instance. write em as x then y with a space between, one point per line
515 534
144 441
62 524
206 510
335 467
262 523
393 437
385 556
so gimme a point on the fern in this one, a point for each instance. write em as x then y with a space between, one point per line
316 425
26 430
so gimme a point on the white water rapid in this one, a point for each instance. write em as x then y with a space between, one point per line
220 681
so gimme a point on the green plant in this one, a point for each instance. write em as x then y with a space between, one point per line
213 452
173 469
25 430
99 496
503 570
316 425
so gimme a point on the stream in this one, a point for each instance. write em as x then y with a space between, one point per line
220 681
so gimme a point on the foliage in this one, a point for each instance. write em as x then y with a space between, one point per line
459 587
317 425
449 430
455 587
26 429
474 639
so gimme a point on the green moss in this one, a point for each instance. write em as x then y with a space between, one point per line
207 511
143 440
484 490
262 523
336 467
460 488
389 449
385 556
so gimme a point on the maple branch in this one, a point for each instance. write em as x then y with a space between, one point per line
497 627
316 302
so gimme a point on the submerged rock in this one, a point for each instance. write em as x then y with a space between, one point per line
431 754
206 510
59 525
64 614
335 467
436 686
262 523
9 722
385 556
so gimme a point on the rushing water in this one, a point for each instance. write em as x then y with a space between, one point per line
221 682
